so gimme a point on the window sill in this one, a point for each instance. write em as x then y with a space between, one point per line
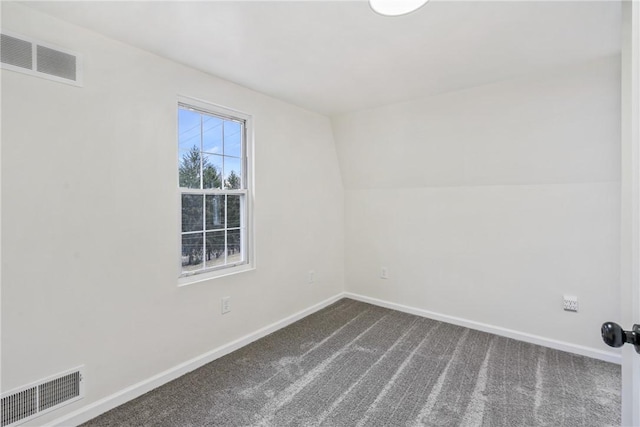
216 274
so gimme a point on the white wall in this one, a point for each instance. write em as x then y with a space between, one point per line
490 203
90 231
486 204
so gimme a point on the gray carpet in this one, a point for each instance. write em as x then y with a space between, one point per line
354 364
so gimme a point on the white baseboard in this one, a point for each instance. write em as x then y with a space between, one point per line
103 405
497 330
96 408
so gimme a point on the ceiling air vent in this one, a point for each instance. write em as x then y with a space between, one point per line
25 55
38 398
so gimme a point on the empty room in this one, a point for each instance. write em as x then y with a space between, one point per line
320 213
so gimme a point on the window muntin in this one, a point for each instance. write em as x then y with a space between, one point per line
212 169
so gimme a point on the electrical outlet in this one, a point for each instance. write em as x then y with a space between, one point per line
570 303
311 277
384 273
226 305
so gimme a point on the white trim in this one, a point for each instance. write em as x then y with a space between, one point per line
247 227
607 356
227 270
630 205
231 113
103 405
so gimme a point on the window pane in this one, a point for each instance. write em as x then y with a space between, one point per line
234 252
233 211
215 248
191 212
212 171
211 146
189 168
188 129
192 251
215 212
232 173
212 135
232 139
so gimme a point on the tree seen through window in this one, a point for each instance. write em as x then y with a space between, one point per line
213 193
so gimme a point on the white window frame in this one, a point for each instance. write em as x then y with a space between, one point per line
248 239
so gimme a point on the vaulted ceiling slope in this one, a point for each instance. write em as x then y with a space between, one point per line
339 56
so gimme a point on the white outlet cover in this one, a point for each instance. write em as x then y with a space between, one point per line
226 305
570 303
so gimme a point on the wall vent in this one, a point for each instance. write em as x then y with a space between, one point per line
35 399
29 56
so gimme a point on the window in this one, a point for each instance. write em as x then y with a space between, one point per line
213 178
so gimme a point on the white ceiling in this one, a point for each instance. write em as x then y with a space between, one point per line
338 56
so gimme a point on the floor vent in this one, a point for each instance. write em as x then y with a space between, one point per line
25 55
36 399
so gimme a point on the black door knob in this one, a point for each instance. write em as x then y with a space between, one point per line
614 336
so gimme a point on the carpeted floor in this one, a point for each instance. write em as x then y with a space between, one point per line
354 364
